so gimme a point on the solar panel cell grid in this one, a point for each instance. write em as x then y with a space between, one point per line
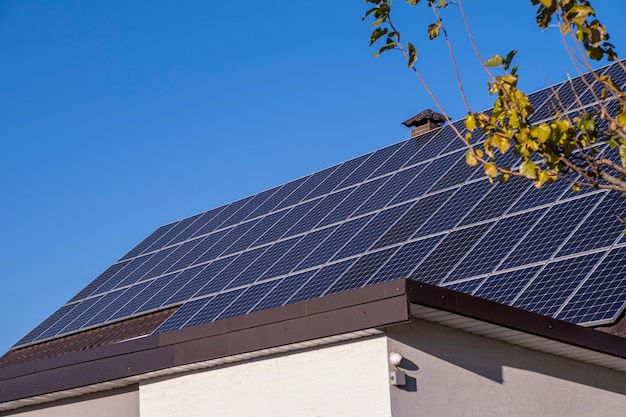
171 234
550 232
256 228
306 187
389 190
251 205
504 287
175 283
250 297
497 201
407 150
227 277
424 180
556 282
202 245
207 279
601 229
280 294
535 197
370 165
213 308
279 229
603 296
154 236
432 147
405 260
359 194
182 315
256 269
416 200
276 198
323 279
69 317
458 174
316 214
212 225
101 279
167 261
366 237
450 214
334 179
334 242
297 253
494 246
191 280
96 307
362 270
445 256
412 219
114 281
145 267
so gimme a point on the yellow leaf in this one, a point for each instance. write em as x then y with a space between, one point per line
541 132
621 119
470 159
491 170
528 169
470 122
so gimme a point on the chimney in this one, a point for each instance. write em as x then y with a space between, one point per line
424 122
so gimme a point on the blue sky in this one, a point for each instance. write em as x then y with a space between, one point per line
119 117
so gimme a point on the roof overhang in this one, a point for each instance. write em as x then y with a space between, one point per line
343 316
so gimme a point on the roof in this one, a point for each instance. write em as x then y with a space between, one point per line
412 209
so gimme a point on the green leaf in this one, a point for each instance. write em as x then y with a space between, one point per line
495 61
376 34
509 58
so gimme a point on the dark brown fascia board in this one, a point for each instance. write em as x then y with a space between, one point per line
376 306
371 307
514 318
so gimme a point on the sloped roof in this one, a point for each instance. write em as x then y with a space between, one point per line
408 210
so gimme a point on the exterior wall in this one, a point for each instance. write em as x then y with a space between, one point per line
348 379
119 403
454 373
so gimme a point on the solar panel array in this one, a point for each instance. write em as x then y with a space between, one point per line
412 209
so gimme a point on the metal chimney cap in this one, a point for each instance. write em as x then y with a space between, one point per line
424 117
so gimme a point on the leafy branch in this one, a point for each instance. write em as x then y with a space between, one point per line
586 148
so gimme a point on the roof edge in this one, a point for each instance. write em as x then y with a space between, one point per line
514 318
364 308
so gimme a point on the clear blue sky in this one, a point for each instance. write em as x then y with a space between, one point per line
117 117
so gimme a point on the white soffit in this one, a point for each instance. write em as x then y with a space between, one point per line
519 338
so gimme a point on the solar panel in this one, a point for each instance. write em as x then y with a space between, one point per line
412 209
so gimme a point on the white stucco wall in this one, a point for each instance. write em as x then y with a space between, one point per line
454 373
348 379
105 404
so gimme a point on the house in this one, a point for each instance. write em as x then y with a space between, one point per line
398 283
